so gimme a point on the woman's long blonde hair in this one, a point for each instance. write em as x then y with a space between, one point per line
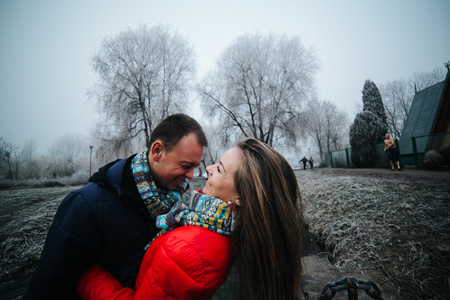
268 231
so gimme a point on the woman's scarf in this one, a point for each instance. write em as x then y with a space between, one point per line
158 201
202 210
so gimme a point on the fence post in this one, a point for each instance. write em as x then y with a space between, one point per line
398 150
346 156
331 159
416 158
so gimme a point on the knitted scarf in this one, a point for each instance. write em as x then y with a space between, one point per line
202 210
158 201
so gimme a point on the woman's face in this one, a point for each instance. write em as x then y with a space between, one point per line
220 182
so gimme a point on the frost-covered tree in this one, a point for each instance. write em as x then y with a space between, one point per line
144 75
259 87
422 80
327 126
218 141
3 158
369 126
364 134
398 96
10 159
66 155
31 168
373 102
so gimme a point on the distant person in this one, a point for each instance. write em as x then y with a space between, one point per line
304 160
391 150
249 212
110 220
311 162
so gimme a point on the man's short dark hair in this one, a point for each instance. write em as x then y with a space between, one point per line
173 128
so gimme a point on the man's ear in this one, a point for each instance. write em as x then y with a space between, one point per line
156 150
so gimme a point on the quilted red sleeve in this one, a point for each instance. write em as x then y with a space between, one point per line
186 263
98 284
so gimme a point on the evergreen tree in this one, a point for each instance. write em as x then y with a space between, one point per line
373 103
364 133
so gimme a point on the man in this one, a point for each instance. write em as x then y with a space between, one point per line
110 220
304 160
311 162
391 150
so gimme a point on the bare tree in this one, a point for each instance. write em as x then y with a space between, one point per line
31 168
144 75
3 158
422 80
66 156
259 86
327 126
398 96
218 142
10 159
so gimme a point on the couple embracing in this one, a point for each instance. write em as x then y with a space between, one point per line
130 234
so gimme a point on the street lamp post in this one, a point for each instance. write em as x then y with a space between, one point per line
90 161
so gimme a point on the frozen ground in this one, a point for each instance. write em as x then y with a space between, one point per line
394 222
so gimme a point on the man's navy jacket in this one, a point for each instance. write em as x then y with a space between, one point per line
104 223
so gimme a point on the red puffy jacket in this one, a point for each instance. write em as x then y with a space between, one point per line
188 262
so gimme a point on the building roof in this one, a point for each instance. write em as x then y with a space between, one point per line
422 115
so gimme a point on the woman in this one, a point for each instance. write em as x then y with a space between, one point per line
249 214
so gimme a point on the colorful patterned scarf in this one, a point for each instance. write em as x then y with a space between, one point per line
202 210
158 201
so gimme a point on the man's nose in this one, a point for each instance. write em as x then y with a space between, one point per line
190 174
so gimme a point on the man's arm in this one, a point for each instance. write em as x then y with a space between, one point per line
386 144
390 143
69 248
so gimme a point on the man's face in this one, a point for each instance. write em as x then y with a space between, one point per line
169 169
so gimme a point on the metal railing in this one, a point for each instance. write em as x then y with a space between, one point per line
412 152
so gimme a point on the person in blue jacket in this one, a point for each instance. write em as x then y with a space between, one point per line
110 220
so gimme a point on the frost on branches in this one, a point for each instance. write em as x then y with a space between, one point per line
369 127
373 102
364 134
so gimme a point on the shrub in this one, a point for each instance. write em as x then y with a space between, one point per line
433 160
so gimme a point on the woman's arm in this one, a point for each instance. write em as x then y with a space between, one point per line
96 283
169 271
187 263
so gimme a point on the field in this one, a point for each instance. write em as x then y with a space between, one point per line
394 222
25 216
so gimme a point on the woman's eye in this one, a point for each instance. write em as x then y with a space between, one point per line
218 169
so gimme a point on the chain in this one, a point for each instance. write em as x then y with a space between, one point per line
351 284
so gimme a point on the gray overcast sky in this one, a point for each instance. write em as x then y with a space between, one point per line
46 47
